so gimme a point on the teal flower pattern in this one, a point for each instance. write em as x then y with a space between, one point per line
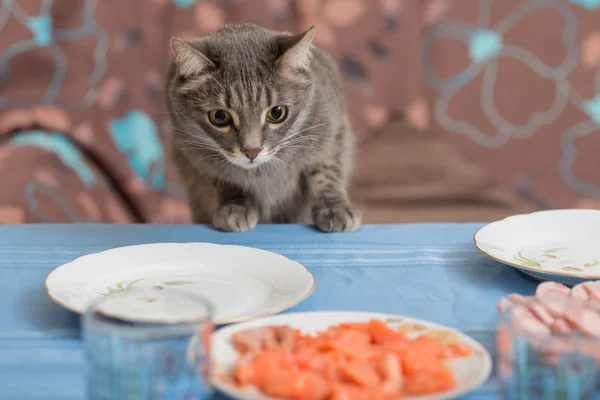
184 3
578 131
45 35
136 136
587 4
486 45
54 142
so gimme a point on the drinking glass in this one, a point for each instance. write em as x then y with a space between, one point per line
150 355
549 349
486 335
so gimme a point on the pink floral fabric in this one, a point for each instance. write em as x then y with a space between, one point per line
520 93
512 84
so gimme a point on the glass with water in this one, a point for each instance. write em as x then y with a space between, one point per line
148 358
549 350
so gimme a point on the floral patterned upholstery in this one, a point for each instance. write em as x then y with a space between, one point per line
512 85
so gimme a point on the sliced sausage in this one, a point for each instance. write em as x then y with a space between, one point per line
579 292
552 290
542 313
585 320
504 304
554 298
592 289
560 325
525 321
517 298
538 310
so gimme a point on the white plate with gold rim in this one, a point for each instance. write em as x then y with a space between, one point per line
557 245
469 372
241 282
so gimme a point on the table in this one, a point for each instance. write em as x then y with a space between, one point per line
429 271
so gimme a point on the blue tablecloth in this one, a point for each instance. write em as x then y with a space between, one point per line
430 271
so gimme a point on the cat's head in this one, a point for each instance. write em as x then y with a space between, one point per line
242 93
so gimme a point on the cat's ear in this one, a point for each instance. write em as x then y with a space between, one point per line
190 61
295 51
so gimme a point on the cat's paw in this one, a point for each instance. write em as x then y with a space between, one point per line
340 218
235 218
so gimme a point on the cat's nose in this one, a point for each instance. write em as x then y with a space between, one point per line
251 153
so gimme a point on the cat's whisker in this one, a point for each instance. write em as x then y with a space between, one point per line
304 142
316 126
214 155
291 145
223 164
197 137
301 147
199 141
210 157
196 140
286 163
303 136
300 143
294 157
218 164
198 146
304 130
301 139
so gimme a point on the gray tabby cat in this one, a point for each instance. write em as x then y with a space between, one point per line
260 130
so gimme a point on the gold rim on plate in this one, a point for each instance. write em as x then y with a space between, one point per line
217 322
518 266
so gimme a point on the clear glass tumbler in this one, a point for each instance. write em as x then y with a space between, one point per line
549 349
151 355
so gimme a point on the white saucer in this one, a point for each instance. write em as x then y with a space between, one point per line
557 245
241 282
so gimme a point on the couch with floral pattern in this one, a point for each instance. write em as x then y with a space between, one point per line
466 110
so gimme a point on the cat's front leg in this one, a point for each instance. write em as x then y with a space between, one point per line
237 212
236 218
331 211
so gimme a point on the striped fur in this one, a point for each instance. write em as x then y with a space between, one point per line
302 171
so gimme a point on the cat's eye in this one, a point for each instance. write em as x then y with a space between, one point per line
277 114
219 118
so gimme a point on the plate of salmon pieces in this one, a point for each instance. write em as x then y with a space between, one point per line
345 355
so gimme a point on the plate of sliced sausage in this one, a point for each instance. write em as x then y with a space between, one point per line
556 245
346 355
556 309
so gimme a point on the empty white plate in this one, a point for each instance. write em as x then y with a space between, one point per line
240 282
470 372
558 245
